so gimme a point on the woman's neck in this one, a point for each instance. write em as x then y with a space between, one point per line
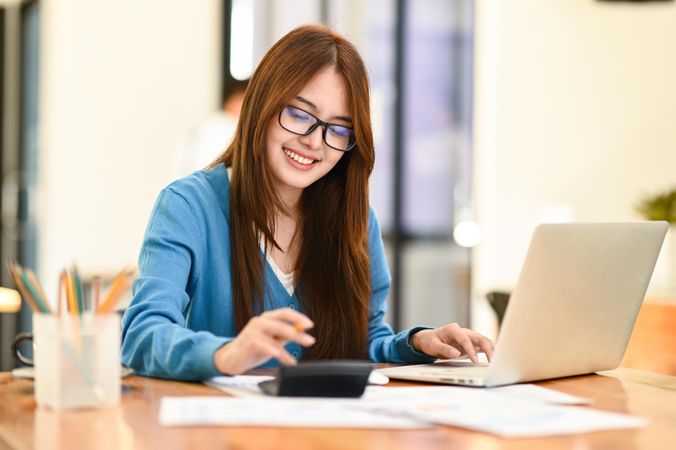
290 198
286 230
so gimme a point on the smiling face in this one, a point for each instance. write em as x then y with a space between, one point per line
298 161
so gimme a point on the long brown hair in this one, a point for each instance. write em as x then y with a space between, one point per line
332 271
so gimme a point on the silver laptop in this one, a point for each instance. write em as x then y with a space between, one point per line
572 310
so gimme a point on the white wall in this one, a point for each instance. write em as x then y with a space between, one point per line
574 120
121 81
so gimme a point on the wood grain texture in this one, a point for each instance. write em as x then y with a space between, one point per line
133 424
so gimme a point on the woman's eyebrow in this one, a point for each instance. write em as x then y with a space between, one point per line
314 109
307 102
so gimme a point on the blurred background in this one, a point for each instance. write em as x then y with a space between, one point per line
490 117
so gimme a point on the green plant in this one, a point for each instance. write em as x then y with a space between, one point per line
659 207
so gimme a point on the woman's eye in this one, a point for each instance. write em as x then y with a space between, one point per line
340 131
299 115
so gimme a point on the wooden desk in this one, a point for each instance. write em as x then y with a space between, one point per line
133 424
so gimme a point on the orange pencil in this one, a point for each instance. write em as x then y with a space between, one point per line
70 294
120 285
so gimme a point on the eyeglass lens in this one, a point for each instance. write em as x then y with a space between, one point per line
302 122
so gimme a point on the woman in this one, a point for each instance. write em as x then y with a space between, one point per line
272 254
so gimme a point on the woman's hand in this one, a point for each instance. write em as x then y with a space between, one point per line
452 341
264 338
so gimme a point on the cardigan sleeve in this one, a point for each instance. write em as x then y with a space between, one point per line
155 340
384 345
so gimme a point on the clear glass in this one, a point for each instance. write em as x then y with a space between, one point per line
77 360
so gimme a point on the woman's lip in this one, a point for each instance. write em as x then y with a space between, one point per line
297 165
300 153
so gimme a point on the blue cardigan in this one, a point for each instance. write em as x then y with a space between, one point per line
182 306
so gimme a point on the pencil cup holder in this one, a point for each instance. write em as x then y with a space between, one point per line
77 360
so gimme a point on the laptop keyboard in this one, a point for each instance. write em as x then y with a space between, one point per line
443 370
464 372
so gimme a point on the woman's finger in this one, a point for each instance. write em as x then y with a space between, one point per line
483 343
438 349
285 358
458 337
281 331
265 348
291 316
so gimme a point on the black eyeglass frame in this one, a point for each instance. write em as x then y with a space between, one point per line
318 123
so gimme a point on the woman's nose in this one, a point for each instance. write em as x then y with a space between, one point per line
314 139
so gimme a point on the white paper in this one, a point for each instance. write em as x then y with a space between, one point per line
239 385
524 410
497 411
523 420
278 412
534 392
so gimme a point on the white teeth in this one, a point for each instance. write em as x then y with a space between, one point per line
298 158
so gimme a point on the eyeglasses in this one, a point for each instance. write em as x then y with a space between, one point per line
301 122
